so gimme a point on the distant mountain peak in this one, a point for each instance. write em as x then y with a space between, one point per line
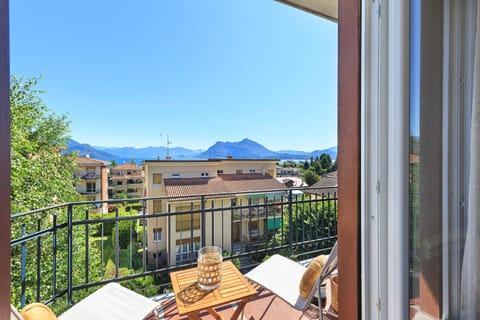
244 149
85 149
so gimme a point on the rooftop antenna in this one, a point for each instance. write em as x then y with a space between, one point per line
167 157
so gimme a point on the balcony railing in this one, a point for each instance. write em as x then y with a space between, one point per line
88 175
88 191
61 252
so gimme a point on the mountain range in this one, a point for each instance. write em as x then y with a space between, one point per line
245 149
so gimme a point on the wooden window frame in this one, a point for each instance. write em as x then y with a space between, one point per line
183 222
156 205
349 39
156 175
349 116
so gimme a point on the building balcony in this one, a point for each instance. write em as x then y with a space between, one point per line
62 253
135 185
88 191
88 175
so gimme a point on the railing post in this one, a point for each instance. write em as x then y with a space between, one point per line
169 238
54 256
131 237
191 233
213 222
290 223
24 267
102 248
70 255
144 248
117 244
249 220
39 257
86 245
202 239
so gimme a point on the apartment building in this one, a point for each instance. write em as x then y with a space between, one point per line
226 221
127 179
91 180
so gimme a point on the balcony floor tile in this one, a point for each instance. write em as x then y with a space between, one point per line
264 306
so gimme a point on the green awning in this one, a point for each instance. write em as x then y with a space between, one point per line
254 196
268 196
274 223
275 195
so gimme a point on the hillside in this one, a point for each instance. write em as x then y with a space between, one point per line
244 149
84 149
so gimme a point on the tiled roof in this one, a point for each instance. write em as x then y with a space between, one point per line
88 161
328 183
127 166
250 182
224 183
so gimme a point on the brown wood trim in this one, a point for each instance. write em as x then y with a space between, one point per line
349 40
4 162
184 241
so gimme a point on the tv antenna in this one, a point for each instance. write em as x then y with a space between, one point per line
168 147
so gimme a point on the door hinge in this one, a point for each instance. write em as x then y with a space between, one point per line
377 186
378 304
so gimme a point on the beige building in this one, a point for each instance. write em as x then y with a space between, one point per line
91 180
223 226
127 179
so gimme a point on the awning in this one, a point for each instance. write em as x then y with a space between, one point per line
274 223
268 196
327 9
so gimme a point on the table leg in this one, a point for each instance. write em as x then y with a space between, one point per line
239 309
215 314
194 316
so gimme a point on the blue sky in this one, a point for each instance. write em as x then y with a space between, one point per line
129 72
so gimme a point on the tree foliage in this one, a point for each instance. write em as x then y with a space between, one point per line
310 177
316 167
42 177
310 221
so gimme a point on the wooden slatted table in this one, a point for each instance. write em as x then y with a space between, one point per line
191 300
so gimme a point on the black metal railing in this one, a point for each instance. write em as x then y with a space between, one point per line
61 253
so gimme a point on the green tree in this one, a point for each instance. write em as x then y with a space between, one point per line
326 162
310 221
306 165
41 177
317 167
310 177
114 163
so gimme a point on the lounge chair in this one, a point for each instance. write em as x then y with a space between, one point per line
112 301
283 276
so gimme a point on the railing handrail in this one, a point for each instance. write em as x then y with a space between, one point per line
187 198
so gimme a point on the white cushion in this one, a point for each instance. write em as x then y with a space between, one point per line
281 276
112 301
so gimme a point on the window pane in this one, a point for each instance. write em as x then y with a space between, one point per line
157 178
157 206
